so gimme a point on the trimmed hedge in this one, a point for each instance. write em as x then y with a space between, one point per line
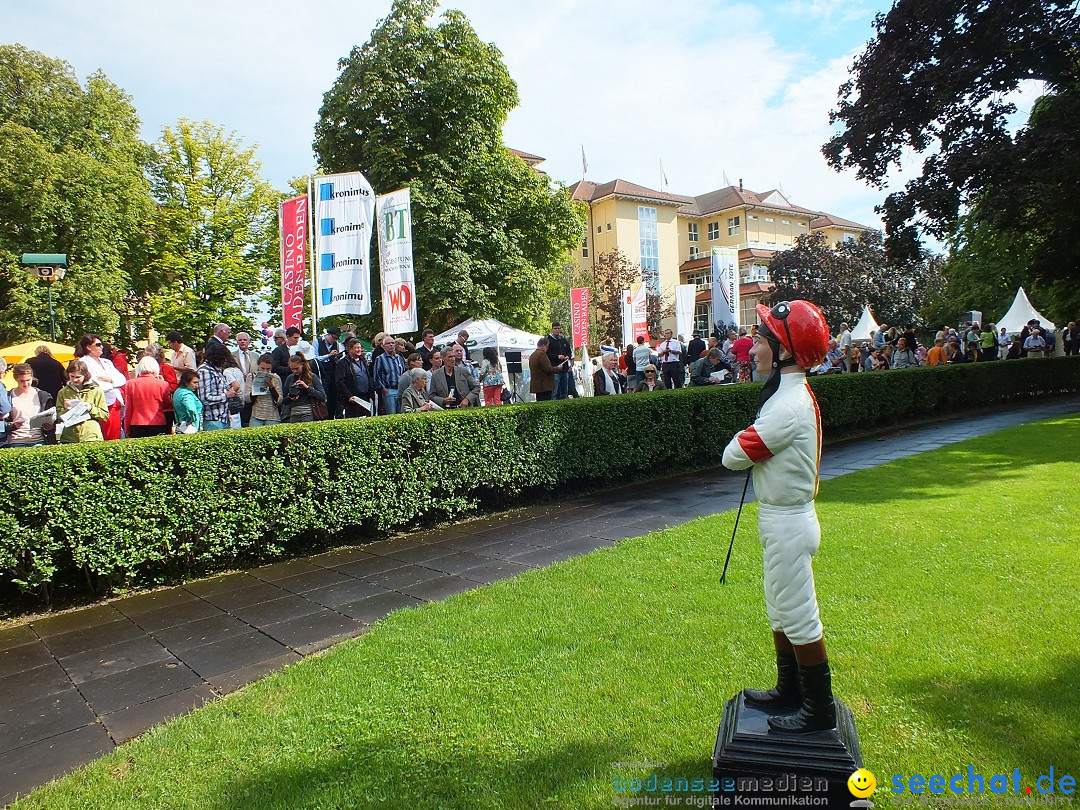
152 509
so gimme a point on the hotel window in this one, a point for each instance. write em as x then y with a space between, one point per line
693 252
609 226
849 237
752 217
701 318
585 247
785 222
691 228
733 226
802 224
599 228
769 219
714 230
650 247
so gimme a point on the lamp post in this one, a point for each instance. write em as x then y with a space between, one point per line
50 267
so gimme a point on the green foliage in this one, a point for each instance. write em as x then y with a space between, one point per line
841 278
71 181
933 81
145 509
423 106
213 228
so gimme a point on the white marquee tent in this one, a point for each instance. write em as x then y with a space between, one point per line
486 332
866 325
1020 313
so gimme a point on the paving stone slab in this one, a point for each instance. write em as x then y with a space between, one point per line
25 768
16 637
369 567
138 685
456 562
350 591
20 687
125 724
277 610
93 638
234 679
319 578
132 606
183 637
233 653
105 661
172 615
24 658
283 570
76 620
435 589
493 571
374 608
339 556
401 578
313 628
221 584
249 595
43 717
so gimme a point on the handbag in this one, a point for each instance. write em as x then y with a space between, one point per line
319 411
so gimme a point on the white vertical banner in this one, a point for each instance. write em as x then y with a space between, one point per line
396 263
627 318
684 309
344 211
725 287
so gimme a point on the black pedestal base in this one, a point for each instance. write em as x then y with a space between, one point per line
751 760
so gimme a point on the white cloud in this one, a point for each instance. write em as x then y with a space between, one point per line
702 85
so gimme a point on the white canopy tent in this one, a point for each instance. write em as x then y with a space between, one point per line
484 332
1020 313
866 325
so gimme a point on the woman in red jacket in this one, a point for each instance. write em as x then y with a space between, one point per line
146 397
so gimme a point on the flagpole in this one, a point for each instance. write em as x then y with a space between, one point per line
314 268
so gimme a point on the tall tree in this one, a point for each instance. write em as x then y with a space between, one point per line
423 106
842 278
71 181
213 229
612 274
933 81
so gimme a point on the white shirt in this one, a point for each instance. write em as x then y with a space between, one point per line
106 375
674 351
845 340
783 445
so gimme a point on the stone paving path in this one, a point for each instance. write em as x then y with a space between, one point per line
75 685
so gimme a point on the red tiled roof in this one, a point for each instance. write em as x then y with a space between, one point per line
830 220
588 191
531 159
723 199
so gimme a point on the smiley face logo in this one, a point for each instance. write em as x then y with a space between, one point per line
862 783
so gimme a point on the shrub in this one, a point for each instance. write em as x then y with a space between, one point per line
147 509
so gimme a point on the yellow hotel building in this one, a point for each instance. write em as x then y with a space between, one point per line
669 236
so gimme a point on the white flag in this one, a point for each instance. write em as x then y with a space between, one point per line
344 210
396 263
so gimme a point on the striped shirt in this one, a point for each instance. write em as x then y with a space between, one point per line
213 387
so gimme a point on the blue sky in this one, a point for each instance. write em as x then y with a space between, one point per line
710 88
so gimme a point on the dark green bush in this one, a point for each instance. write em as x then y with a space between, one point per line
147 509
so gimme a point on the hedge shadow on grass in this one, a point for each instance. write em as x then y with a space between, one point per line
1023 719
1005 460
333 780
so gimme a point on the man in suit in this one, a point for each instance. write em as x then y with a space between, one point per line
327 353
542 372
426 347
607 380
247 360
220 335
466 391
558 351
695 350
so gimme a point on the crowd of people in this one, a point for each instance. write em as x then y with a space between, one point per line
229 384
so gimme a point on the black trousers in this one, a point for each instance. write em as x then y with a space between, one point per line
673 374
543 396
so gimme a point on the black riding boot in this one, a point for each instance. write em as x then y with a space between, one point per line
786 695
818 711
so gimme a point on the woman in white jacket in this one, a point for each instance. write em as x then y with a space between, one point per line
111 380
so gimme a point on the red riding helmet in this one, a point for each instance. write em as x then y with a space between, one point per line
800 328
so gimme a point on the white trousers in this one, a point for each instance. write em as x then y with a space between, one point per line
790 536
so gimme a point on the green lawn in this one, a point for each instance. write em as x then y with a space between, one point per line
948 584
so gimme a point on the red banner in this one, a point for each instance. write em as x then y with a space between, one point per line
579 315
294 217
